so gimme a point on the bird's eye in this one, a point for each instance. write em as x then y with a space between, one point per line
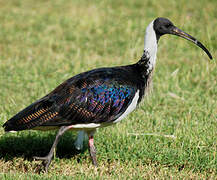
167 25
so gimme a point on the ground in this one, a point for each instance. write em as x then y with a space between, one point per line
173 132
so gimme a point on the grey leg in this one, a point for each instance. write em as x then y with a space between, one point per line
81 137
47 159
92 149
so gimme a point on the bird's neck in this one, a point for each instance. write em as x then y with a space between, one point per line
148 59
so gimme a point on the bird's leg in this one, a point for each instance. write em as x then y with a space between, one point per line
47 159
81 137
92 149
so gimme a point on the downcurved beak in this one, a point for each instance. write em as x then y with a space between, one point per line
178 32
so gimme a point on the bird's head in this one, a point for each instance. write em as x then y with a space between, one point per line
163 26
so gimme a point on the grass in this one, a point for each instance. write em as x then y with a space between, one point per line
42 43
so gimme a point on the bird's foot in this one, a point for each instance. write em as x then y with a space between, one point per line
46 160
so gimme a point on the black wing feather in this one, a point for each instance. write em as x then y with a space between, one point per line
96 96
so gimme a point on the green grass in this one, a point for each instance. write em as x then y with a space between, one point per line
42 43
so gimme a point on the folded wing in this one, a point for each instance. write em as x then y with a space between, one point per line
79 100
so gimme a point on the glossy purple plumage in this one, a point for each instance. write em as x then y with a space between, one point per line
97 96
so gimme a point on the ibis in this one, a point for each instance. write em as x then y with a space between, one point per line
96 98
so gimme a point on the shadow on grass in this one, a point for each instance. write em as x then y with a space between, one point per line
31 144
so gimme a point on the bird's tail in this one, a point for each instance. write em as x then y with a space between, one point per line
30 117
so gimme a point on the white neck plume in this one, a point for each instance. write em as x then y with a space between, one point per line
151 45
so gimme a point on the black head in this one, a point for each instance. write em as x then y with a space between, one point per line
165 26
162 26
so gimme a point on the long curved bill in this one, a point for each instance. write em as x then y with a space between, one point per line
178 32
